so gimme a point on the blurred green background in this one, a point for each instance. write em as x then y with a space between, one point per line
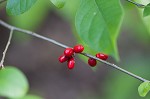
50 79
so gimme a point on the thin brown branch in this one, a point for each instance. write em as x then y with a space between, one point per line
6 48
137 4
64 46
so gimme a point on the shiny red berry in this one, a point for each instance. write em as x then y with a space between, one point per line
102 56
78 48
68 52
71 63
92 62
63 58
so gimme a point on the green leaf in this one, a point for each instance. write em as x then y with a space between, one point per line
98 24
146 11
13 83
29 20
58 3
17 7
144 88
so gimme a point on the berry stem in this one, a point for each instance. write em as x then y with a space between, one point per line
64 46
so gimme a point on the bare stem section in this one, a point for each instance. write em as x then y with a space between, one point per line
116 67
6 48
137 4
64 46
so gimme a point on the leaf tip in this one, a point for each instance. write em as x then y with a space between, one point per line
146 11
58 3
144 88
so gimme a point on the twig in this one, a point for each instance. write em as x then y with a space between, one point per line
137 4
6 48
64 46
32 33
116 67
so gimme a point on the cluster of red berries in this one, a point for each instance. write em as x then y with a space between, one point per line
69 55
70 52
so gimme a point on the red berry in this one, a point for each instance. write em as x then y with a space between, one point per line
68 52
92 62
63 58
78 48
102 56
71 63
